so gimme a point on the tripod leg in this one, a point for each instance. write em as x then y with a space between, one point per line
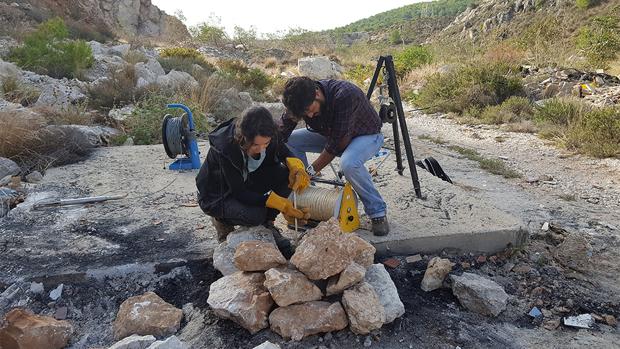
395 95
399 156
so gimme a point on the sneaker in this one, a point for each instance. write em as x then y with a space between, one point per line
380 226
222 229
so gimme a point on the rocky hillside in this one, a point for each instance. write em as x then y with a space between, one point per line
95 19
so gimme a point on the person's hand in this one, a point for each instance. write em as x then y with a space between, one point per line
298 178
300 221
285 206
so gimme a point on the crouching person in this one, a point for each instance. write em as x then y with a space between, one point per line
248 175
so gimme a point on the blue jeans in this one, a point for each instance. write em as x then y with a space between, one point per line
352 160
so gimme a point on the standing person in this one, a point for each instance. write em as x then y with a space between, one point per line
340 121
248 174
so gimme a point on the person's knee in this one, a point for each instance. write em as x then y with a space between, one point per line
350 166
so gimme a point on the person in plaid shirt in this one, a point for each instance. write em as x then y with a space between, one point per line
340 121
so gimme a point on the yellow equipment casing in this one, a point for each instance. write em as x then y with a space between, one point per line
348 217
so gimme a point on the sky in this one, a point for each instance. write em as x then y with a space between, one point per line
270 16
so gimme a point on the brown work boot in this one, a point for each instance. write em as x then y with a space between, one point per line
222 229
380 226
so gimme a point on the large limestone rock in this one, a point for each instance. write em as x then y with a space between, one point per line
148 72
363 308
223 255
479 294
267 345
242 298
258 255
24 330
435 273
380 280
134 342
171 342
176 80
326 251
83 135
350 276
298 321
60 95
231 104
147 314
319 67
289 286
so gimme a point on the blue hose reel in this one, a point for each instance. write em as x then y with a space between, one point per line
179 138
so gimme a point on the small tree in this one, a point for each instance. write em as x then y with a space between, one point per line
600 41
209 32
245 37
49 51
395 37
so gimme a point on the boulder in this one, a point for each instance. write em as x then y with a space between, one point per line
176 80
288 286
242 298
147 73
134 342
171 342
231 104
479 294
119 50
102 67
121 114
325 251
8 167
380 280
34 177
255 255
60 95
350 276
276 109
223 255
435 273
92 136
302 320
363 308
24 330
319 67
147 314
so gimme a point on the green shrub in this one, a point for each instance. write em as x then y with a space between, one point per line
600 41
253 79
359 73
582 4
597 133
411 58
208 33
560 111
514 109
120 89
144 124
49 51
395 37
467 87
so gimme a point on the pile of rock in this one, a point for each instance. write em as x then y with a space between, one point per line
329 283
596 87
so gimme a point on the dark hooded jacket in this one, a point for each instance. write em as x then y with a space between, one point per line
221 174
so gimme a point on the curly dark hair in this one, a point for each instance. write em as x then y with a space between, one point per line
255 121
299 93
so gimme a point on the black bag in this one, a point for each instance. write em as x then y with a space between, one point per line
432 166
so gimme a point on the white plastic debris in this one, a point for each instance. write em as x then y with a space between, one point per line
545 226
580 321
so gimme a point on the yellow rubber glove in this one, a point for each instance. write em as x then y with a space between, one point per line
285 206
303 221
298 178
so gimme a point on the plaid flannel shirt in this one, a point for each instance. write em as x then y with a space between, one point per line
347 113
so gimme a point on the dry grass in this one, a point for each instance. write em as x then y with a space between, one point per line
17 92
270 62
418 77
73 115
210 93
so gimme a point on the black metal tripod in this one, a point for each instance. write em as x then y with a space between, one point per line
395 117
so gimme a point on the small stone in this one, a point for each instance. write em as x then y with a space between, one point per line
300 320
171 342
479 294
350 276
610 320
435 273
580 321
257 256
465 265
36 287
392 262
493 259
551 324
23 330
56 293
521 268
34 177
545 226
364 309
367 342
146 314
134 342
413 259
267 345
288 286
61 313
481 259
